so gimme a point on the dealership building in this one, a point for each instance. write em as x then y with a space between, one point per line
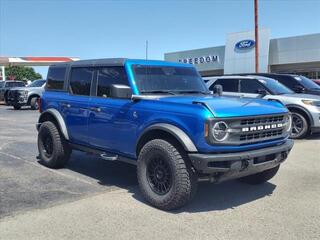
299 54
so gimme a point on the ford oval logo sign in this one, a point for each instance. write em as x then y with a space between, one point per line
245 44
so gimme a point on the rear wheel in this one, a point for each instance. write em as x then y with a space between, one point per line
34 103
54 151
165 179
261 177
300 126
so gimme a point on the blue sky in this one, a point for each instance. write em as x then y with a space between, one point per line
105 28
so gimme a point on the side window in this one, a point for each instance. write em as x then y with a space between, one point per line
228 85
108 76
80 80
251 86
55 79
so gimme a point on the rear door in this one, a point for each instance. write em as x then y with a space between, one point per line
75 105
111 125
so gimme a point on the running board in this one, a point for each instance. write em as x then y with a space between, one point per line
109 157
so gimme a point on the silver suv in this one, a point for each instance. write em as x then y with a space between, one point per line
305 108
26 96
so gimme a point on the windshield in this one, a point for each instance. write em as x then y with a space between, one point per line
37 83
274 86
168 79
307 83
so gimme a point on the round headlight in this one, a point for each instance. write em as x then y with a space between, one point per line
288 123
219 131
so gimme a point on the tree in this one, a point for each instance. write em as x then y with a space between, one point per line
21 73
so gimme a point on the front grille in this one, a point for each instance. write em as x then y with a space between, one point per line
261 135
274 119
254 129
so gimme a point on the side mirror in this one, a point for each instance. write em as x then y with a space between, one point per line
217 90
120 91
262 92
298 89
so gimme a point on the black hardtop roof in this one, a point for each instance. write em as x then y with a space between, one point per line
94 62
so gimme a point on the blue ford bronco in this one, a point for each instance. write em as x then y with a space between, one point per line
161 117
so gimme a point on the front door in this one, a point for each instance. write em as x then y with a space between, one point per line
110 126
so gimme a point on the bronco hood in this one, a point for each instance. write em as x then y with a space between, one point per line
231 106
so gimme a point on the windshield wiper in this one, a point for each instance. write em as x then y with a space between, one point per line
159 91
193 91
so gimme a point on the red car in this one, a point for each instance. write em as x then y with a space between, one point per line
317 81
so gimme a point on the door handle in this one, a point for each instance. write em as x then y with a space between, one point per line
95 109
67 105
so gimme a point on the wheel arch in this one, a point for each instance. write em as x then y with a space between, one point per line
165 131
303 111
54 116
32 96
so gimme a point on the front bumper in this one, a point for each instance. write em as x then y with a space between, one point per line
226 166
16 98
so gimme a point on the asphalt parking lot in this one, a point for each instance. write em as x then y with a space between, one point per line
95 199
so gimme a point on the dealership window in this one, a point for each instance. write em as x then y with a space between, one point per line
108 76
55 79
228 85
80 80
251 86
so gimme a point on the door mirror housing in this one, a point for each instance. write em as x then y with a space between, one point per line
120 91
217 90
298 89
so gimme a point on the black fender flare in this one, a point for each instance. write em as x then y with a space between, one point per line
59 119
310 118
179 134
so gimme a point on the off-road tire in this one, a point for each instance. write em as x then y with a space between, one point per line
61 151
306 126
184 180
34 103
261 177
16 107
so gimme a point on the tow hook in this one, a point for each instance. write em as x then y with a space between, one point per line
244 164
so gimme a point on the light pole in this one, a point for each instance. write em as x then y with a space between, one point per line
256 36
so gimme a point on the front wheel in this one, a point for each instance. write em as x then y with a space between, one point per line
34 103
261 177
165 179
16 107
300 127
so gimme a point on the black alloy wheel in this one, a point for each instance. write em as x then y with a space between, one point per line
159 175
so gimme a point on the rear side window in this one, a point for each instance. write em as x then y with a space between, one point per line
108 76
55 79
80 80
228 85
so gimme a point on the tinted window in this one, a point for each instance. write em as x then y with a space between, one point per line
80 80
228 85
14 84
306 82
56 77
251 86
1 84
108 76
